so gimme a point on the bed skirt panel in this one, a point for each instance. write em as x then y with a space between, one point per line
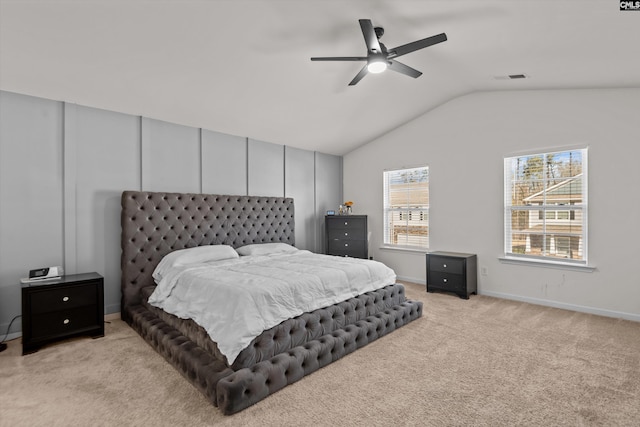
233 391
247 386
292 332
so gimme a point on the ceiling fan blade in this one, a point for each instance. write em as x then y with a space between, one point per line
340 58
413 46
370 36
404 69
359 76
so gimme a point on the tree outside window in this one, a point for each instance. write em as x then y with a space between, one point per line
546 206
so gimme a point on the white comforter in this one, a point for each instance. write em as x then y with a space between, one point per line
235 300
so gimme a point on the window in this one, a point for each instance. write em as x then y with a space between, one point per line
406 208
546 206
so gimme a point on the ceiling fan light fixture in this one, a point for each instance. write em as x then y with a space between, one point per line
377 67
379 58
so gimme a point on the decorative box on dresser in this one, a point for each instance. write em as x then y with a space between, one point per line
347 235
452 272
56 309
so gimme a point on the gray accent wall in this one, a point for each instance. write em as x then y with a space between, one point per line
224 163
265 164
328 175
299 170
31 194
170 157
102 157
63 168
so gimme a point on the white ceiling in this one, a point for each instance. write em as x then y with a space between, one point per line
242 67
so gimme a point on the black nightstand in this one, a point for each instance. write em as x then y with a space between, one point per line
58 309
452 272
347 235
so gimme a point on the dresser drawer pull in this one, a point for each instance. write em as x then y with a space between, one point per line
444 280
346 245
346 234
444 265
66 321
65 299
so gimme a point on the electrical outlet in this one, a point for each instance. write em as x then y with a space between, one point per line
484 271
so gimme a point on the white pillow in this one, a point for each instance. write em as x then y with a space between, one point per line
193 255
265 249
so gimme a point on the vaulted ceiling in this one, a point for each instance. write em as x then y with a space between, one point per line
242 67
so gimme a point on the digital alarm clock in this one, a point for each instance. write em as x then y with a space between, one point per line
45 273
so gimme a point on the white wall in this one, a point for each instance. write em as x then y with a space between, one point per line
464 142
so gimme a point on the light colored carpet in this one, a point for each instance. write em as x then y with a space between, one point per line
480 362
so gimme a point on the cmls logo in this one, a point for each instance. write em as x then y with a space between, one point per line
629 5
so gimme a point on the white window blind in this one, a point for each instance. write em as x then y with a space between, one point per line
406 207
545 203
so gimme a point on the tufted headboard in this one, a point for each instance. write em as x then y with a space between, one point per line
154 224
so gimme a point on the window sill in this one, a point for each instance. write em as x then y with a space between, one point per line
547 264
405 249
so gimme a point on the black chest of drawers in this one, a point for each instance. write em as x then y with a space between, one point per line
452 272
347 235
58 309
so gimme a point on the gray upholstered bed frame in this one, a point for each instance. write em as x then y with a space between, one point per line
154 224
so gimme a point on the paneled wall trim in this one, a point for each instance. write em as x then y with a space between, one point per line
63 167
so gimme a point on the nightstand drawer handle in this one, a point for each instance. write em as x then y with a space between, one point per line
346 244
346 223
444 265
66 321
346 234
444 280
65 299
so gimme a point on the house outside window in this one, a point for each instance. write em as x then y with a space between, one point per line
546 206
406 208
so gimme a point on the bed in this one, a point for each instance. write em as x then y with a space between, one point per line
155 224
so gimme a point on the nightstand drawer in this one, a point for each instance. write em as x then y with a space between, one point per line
453 282
446 264
63 298
63 322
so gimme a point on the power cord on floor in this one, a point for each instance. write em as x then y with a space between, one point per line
3 345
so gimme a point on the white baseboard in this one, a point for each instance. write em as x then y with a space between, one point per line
13 336
565 306
412 280
547 303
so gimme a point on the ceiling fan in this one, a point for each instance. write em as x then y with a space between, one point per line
379 58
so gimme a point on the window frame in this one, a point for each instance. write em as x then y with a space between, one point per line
406 213
546 208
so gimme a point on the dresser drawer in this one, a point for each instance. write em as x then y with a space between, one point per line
63 322
347 247
345 222
346 234
63 298
446 264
